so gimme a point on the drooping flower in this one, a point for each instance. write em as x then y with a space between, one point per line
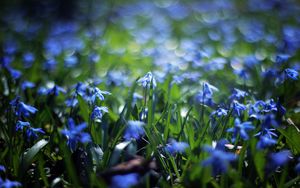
28 59
146 80
21 125
205 95
282 58
176 147
241 129
2 168
238 94
97 93
71 102
219 112
124 181
219 159
98 112
291 74
22 109
265 141
9 184
25 110
134 130
55 90
31 132
278 159
238 108
75 134
27 84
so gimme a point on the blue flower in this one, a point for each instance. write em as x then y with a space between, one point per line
291 74
265 141
25 110
241 128
238 94
176 147
98 112
278 159
238 108
22 109
75 134
50 64
28 59
134 130
208 89
8 184
124 181
56 90
219 160
97 93
27 84
2 168
30 131
146 80
71 61
71 102
205 96
21 125
282 58
219 112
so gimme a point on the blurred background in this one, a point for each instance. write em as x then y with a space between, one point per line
118 40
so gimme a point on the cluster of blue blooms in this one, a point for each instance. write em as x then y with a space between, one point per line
238 75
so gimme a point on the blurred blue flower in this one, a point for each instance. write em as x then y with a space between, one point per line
27 84
240 128
21 125
97 93
28 59
94 58
134 130
124 181
15 74
25 110
176 147
265 141
146 80
50 64
22 109
282 58
205 95
238 108
71 102
291 74
98 112
208 89
2 168
56 90
238 94
30 131
71 61
219 160
75 134
278 159
8 184
219 112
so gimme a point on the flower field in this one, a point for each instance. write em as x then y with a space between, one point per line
162 93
